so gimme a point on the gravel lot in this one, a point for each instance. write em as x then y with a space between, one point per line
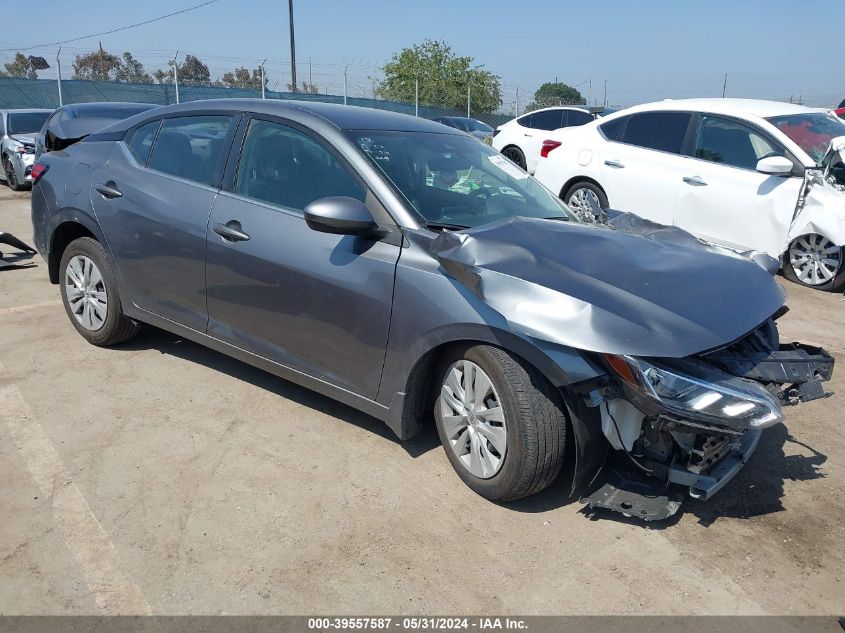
161 477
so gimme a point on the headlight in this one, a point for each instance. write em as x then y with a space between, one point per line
700 392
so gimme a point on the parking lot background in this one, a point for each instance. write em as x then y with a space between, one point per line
162 477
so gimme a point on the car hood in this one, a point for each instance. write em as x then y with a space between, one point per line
603 290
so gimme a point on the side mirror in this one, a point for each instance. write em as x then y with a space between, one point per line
340 215
775 166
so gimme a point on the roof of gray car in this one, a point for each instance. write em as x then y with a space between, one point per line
341 116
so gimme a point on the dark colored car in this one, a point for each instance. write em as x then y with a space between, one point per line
71 123
403 268
473 127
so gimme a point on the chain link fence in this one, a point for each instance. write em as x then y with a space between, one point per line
47 93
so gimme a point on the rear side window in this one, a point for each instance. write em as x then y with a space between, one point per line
547 120
663 131
525 121
142 141
613 130
191 147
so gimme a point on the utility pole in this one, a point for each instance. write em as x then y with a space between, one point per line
292 48
263 90
516 105
725 86
469 98
345 69
591 92
59 75
176 74
605 93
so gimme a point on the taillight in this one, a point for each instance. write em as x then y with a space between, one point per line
38 170
548 145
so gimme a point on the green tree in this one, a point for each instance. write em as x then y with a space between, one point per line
555 93
20 67
192 71
243 78
99 65
443 79
131 70
306 87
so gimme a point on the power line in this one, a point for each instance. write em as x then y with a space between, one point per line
122 28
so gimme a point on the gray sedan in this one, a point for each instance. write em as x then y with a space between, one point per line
18 130
403 268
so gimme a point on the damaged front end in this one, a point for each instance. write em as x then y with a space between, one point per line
689 425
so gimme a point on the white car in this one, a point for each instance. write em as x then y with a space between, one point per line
746 174
522 138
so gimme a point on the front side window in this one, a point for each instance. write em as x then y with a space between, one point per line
577 117
812 132
547 120
142 141
731 143
455 181
191 147
663 131
285 167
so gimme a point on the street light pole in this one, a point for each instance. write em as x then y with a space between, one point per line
59 75
292 48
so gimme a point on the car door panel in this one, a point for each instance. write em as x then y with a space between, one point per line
157 236
315 302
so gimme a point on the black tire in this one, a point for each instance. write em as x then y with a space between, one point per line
836 284
11 176
589 186
515 155
116 327
535 424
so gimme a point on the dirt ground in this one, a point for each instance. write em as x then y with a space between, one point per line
161 477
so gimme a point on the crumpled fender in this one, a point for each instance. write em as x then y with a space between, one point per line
597 289
823 213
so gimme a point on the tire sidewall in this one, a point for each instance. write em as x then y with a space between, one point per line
521 162
92 249
500 484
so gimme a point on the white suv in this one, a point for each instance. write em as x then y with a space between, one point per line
758 175
521 139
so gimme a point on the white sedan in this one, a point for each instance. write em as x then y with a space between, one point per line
520 139
746 174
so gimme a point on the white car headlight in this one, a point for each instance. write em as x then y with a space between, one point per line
699 392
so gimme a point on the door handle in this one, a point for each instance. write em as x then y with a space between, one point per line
614 163
695 181
528 135
108 190
231 231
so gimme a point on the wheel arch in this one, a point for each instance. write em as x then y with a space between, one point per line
65 232
576 179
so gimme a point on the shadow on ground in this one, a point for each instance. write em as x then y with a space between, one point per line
757 489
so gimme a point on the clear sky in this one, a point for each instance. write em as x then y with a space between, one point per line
646 50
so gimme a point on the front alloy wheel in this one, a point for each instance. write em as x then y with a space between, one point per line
473 419
815 261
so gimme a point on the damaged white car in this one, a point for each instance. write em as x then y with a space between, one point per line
745 174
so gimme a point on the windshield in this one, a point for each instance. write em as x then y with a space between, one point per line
453 181
811 132
477 126
111 111
24 122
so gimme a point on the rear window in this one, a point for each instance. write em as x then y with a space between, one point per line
23 122
111 111
663 131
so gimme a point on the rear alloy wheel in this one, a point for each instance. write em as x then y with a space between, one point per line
11 176
815 261
89 293
515 155
583 198
501 423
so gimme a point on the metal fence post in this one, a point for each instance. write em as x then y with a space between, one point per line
416 96
345 68
176 74
263 91
469 99
59 75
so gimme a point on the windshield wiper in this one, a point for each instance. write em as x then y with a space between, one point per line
445 225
